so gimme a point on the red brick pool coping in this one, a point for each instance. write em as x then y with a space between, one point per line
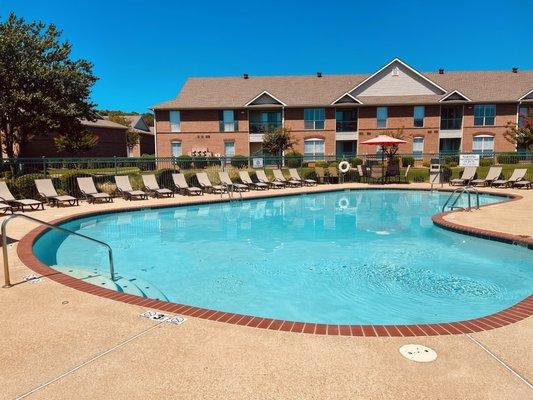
513 314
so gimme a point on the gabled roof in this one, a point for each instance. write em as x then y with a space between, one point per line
527 96
136 123
313 91
263 98
101 122
397 61
454 96
348 99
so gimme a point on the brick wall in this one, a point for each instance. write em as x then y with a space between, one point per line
112 142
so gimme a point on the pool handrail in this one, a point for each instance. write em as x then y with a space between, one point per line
7 282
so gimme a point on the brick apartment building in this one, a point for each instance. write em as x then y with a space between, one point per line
111 140
332 114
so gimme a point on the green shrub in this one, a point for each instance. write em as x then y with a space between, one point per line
24 185
294 159
307 173
446 172
210 161
486 162
184 162
408 160
451 159
164 177
322 164
355 161
452 164
418 178
507 158
239 161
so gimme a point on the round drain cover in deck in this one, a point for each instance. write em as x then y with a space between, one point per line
418 353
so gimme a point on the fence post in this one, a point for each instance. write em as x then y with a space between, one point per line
116 165
44 166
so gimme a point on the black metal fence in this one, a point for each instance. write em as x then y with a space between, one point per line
20 173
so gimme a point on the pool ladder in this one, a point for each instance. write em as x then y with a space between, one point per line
469 190
231 193
7 282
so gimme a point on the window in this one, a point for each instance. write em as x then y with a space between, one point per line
264 121
523 113
418 116
451 118
229 149
314 149
228 121
382 117
314 118
418 147
175 147
174 121
346 120
483 144
484 114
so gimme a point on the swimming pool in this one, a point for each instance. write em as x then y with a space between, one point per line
345 257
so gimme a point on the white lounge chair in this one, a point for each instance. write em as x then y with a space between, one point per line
89 191
279 177
226 180
295 176
182 185
48 192
261 176
247 180
493 174
205 184
517 175
468 175
151 186
7 197
126 191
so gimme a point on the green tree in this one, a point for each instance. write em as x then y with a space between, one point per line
42 90
148 118
75 143
275 142
520 136
132 136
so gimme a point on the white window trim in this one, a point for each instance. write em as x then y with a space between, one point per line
227 123
423 118
386 118
526 95
172 148
482 150
262 93
357 101
484 116
225 143
174 112
452 93
314 128
418 152
314 140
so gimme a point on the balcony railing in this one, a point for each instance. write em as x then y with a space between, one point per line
346 126
451 123
264 127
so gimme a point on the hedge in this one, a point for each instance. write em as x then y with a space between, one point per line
408 160
294 159
239 161
507 158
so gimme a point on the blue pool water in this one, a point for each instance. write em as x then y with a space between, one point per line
359 257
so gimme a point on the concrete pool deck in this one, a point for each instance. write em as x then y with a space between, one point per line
64 343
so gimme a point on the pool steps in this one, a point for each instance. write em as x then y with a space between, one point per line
134 286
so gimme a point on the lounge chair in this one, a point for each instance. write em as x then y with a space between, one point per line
406 174
320 174
5 208
152 187
361 170
48 193
468 175
279 177
89 191
245 178
516 176
183 187
126 191
7 197
295 176
261 176
376 173
226 180
523 184
333 173
205 184
493 174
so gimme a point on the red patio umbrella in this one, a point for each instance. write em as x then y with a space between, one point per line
384 140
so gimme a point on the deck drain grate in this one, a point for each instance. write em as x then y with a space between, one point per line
418 353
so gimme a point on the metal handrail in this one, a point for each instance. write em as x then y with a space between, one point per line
465 189
38 221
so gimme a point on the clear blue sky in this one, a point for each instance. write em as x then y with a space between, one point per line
143 51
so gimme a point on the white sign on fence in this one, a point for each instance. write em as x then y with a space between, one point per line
469 160
257 162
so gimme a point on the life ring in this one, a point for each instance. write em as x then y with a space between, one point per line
344 203
344 166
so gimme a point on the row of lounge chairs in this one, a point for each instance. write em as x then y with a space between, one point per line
492 178
48 193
